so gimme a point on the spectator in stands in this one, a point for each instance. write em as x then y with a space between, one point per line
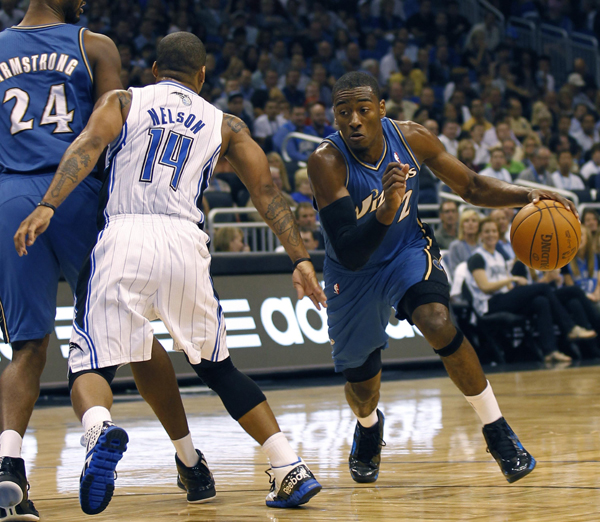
466 154
422 23
230 239
306 216
562 134
266 125
235 106
545 80
495 136
447 230
590 170
396 99
530 144
514 167
319 75
494 289
591 221
482 154
432 126
477 116
448 137
408 72
303 193
496 168
503 245
577 84
538 171
519 125
309 238
326 58
318 119
298 150
477 56
10 14
583 269
440 68
428 103
544 128
291 90
462 249
588 136
489 27
390 63
458 25
564 178
279 57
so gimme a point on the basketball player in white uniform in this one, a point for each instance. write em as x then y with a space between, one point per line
151 261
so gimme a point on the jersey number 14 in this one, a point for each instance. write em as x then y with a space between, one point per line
55 111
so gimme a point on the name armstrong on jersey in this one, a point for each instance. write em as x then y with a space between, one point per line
37 63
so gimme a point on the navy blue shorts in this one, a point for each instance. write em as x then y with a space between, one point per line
28 284
359 304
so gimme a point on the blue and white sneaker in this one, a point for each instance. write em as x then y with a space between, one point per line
105 445
291 485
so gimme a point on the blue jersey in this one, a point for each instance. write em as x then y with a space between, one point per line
46 94
363 182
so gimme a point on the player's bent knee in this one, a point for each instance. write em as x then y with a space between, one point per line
108 374
453 346
237 391
365 372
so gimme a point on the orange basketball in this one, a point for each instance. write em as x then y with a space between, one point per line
545 236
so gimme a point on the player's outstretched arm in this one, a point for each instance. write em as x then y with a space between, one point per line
353 244
479 190
78 161
251 165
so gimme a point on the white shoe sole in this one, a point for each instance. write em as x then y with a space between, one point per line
10 494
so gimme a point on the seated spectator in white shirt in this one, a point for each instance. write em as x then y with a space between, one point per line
588 136
482 154
450 132
592 167
268 123
563 178
538 172
496 168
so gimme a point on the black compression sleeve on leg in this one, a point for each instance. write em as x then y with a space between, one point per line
453 346
353 244
237 391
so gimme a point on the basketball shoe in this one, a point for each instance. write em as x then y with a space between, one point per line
365 456
197 480
105 445
14 502
503 444
291 485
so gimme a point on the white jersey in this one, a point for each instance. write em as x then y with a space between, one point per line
495 268
163 160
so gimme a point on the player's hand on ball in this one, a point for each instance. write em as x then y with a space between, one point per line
537 194
306 284
394 187
31 227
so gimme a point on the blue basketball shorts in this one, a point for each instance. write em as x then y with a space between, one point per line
28 284
359 304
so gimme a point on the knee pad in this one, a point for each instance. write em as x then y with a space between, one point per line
237 391
453 346
107 373
369 369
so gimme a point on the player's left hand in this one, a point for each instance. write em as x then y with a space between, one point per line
538 194
306 284
31 227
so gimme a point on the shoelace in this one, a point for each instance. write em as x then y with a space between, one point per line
502 442
369 446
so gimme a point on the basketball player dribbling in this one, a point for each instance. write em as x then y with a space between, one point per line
52 72
380 255
151 261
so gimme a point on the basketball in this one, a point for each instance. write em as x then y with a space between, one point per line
545 236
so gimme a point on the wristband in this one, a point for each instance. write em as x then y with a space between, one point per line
45 204
301 260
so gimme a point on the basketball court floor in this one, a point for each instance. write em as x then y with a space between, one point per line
434 467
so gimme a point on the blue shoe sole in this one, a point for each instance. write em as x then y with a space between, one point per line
98 481
524 473
305 492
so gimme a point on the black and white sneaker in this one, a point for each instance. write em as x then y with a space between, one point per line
14 500
365 456
197 481
291 485
504 445
105 445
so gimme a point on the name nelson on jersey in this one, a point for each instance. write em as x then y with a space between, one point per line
162 116
36 63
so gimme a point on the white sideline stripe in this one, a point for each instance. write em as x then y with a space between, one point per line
240 323
235 305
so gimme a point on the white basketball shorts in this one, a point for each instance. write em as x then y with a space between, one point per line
146 267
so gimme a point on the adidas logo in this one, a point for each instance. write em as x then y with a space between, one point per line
294 477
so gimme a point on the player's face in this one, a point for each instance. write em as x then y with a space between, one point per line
358 113
73 10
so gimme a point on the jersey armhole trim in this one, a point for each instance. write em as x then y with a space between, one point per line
345 160
410 151
84 54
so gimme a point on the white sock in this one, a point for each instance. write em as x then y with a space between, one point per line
369 420
485 405
186 451
95 415
278 450
10 444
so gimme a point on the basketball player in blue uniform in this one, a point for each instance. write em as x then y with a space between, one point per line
380 255
51 73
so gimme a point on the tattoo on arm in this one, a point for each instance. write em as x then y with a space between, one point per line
124 98
280 217
70 169
235 124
